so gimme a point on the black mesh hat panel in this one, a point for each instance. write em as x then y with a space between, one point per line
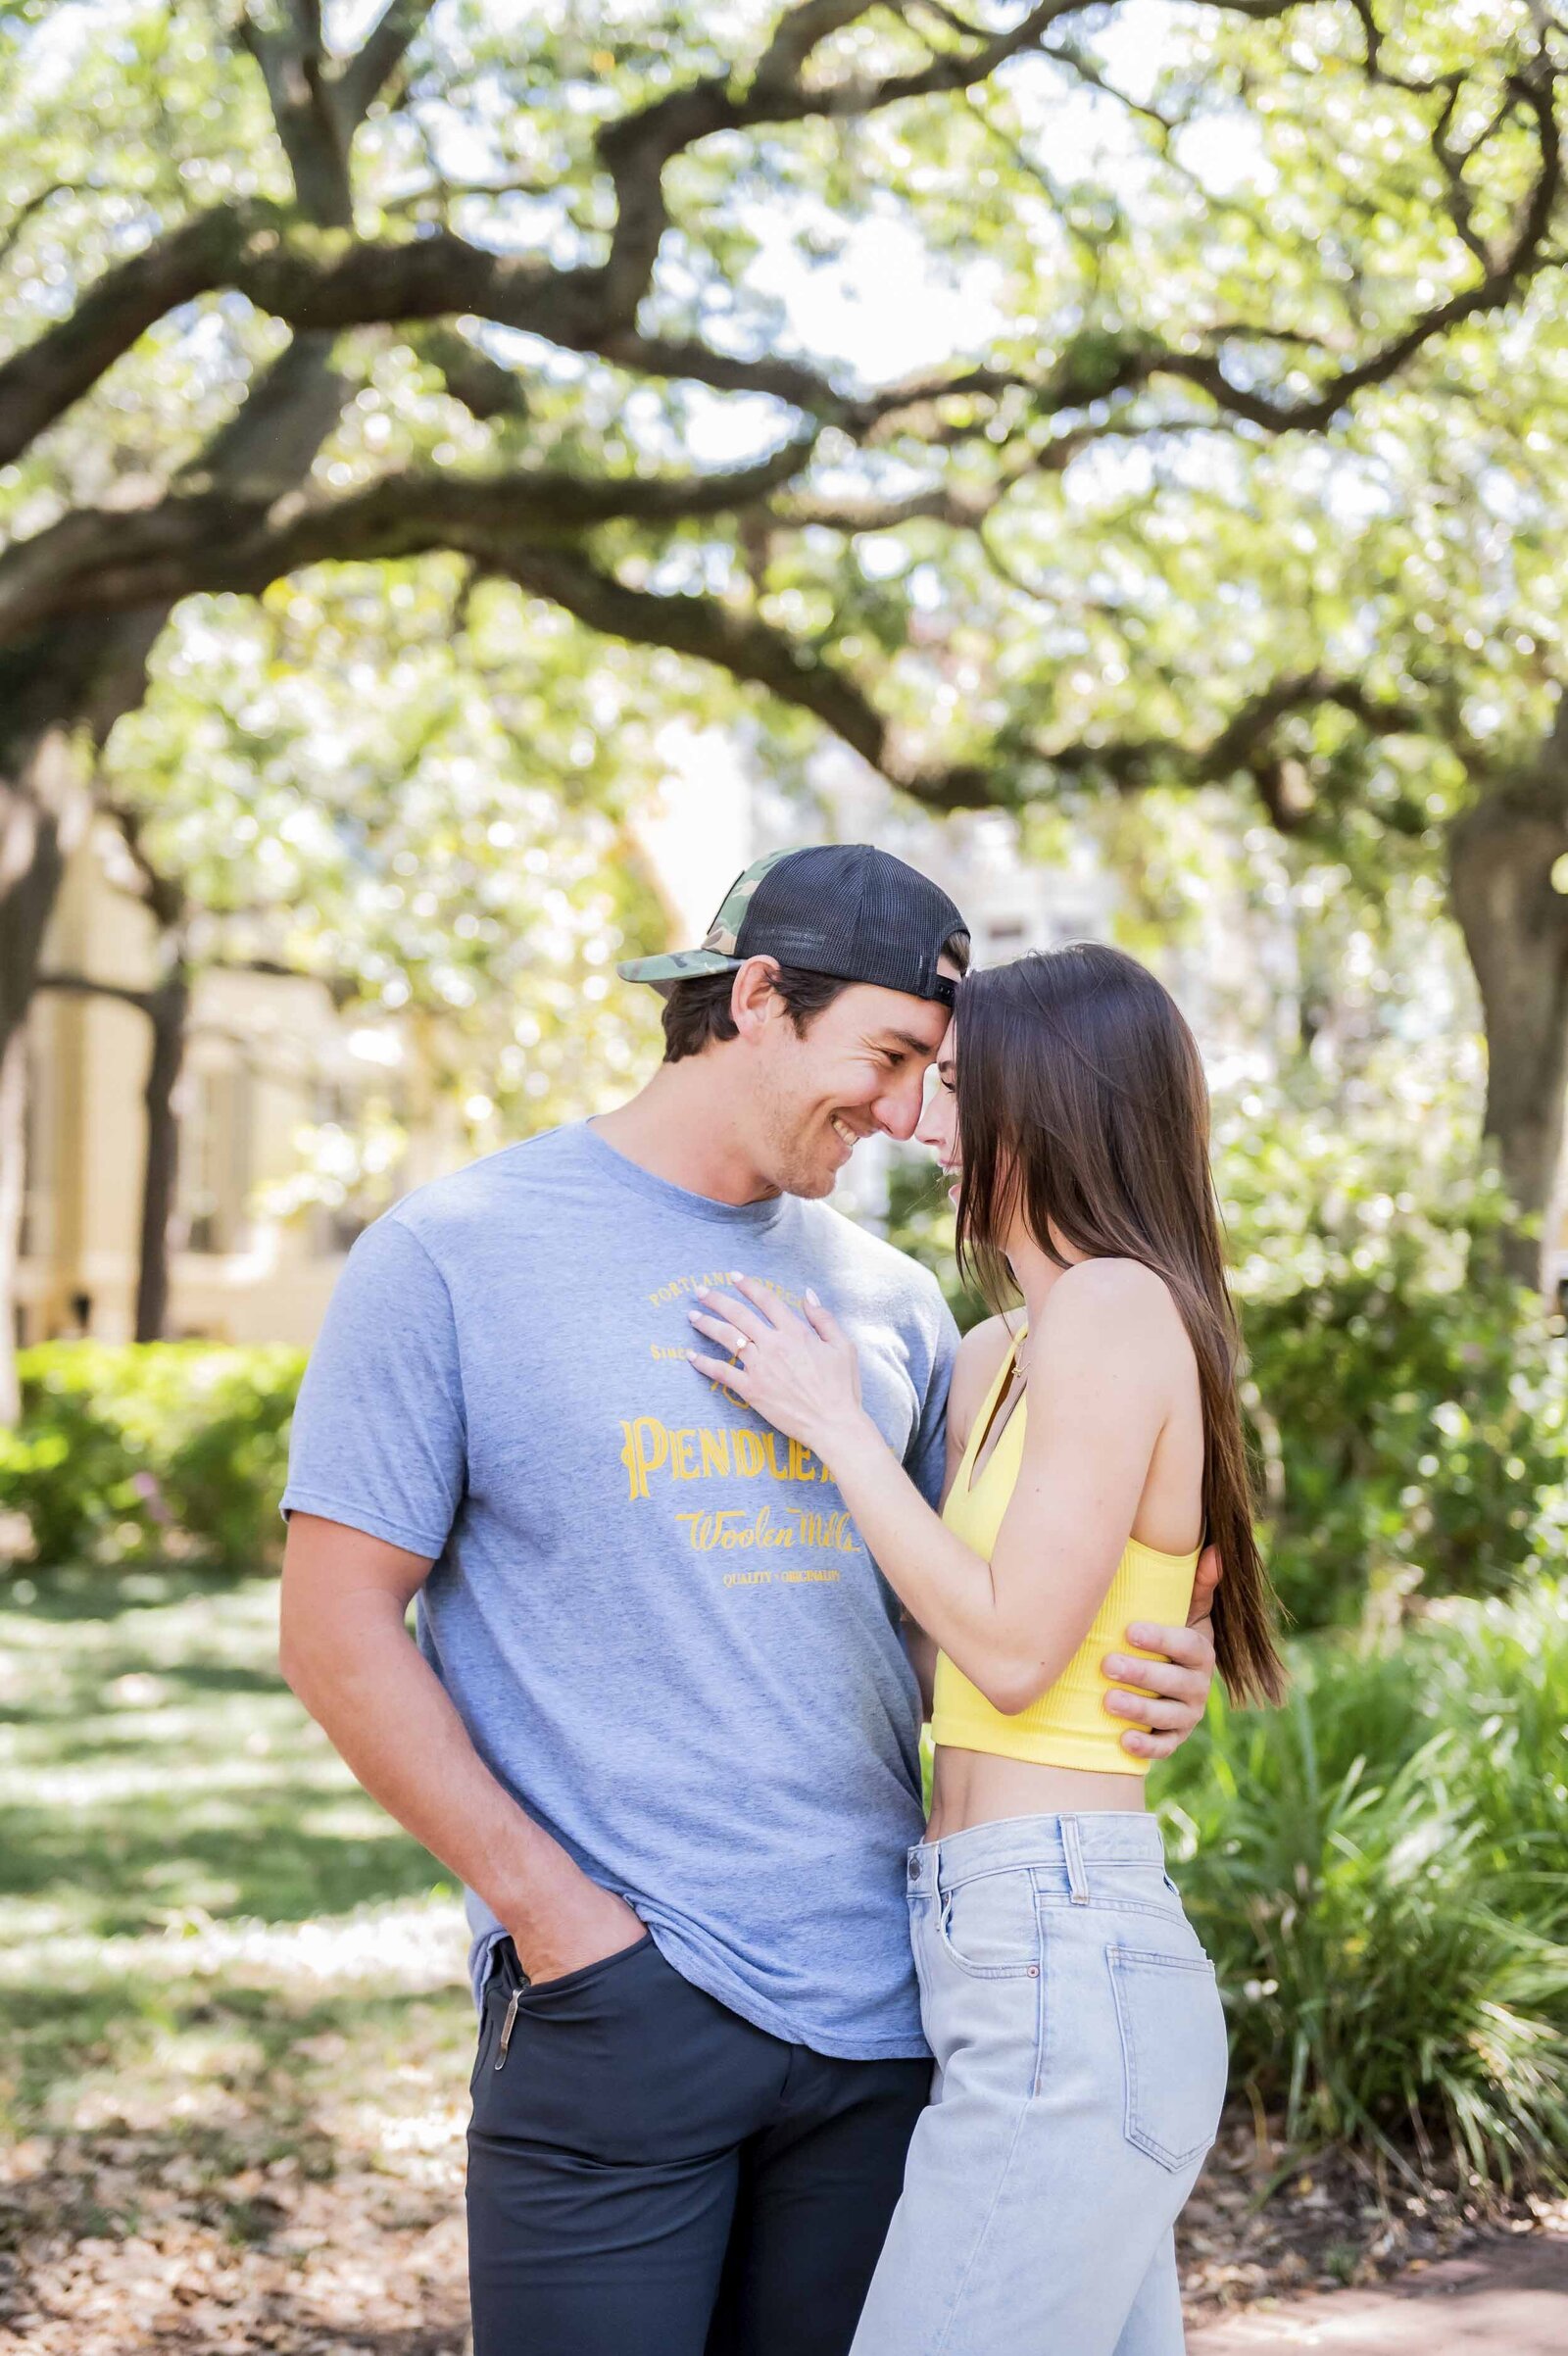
856 913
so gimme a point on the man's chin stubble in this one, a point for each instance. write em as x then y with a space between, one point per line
810 1182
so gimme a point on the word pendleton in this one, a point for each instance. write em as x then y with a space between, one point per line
693 1454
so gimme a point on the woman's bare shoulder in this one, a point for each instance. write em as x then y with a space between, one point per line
1111 1306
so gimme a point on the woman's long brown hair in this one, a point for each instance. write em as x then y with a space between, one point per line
1083 1109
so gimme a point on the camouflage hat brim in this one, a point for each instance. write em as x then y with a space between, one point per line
676 966
717 954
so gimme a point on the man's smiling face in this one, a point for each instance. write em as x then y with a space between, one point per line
859 1069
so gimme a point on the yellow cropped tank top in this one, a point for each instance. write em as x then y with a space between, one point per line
1068 1726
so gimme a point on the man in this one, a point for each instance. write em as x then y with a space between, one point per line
660 1719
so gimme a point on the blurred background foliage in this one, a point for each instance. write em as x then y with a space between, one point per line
151 1453
393 783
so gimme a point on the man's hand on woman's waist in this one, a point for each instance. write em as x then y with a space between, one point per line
1179 1682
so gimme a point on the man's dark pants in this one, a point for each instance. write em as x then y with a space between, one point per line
651 2176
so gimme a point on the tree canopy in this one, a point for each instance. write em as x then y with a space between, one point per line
528 294
486 283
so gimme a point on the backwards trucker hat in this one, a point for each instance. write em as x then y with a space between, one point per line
843 909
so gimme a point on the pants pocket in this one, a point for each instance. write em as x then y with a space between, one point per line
586 1974
620 2062
1173 2050
990 1928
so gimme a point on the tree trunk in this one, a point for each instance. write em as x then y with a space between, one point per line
74 682
43 807
168 1007
1504 855
40 813
13 1183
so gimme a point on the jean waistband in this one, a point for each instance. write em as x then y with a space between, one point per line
1097 1837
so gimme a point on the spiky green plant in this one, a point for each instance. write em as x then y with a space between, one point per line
1380 1871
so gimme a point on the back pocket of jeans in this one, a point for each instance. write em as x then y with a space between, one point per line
1173 2050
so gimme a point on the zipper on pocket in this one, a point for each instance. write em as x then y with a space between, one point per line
507 2028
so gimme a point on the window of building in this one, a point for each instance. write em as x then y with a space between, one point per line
335 1226
217 1158
36 1236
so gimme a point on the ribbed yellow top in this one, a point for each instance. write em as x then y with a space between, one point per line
1068 1726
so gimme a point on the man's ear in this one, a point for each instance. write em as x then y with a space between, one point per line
753 1001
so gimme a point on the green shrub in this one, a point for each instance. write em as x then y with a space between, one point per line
1498 1677
919 1221
135 1454
1380 1872
1409 1402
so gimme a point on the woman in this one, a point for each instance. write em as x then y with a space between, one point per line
1092 1445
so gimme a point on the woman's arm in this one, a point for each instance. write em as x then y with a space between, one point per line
974 1369
1010 1625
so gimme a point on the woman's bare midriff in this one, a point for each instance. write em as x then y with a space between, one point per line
974 1787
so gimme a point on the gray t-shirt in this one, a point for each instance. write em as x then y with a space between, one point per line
657 1620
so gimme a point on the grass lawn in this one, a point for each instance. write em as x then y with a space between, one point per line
234 2035
235 2038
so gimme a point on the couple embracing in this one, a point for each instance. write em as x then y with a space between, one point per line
705 1507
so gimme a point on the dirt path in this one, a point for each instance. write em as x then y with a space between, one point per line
1504 2296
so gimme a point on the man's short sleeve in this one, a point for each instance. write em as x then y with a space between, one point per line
379 1440
925 1461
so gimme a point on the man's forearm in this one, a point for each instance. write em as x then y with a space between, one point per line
366 1683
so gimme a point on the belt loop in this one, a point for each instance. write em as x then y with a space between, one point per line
1073 1850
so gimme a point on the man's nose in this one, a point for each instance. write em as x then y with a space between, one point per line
898 1109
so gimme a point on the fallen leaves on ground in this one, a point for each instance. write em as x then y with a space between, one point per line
1265 2225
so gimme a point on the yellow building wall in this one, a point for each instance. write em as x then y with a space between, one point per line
88 1060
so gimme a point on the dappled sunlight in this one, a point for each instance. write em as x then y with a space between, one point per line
90 1784
223 2124
161 1784
240 2128
405 1949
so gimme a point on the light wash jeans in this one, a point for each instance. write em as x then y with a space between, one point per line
1080 2050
